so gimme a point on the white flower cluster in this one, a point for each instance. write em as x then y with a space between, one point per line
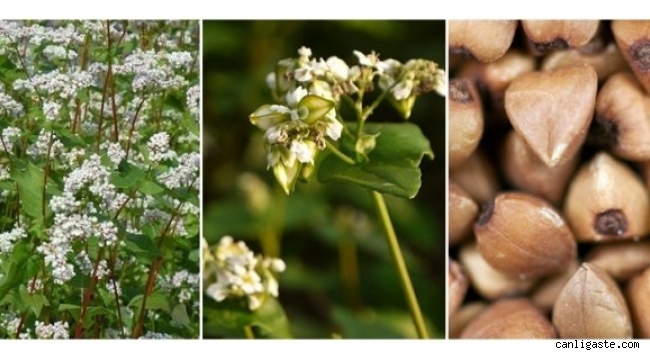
158 146
35 34
64 85
8 239
58 52
46 144
310 89
185 174
9 134
193 100
10 107
239 273
58 330
51 110
296 130
10 322
64 231
154 71
185 283
155 336
115 153
88 267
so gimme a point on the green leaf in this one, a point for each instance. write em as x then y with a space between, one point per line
16 267
14 299
149 187
154 302
33 301
127 176
230 317
393 167
9 72
29 179
180 316
374 325
74 310
142 247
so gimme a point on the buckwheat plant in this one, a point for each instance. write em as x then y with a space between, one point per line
239 279
99 179
306 133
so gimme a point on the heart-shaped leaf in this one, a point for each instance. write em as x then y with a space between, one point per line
230 317
393 166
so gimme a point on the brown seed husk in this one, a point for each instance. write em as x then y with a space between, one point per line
463 210
549 35
621 260
476 176
545 294
606 63
459 320
622 120
591 306
510 319
458 285
495 77
552 110
607 201
523 169
523 235
487 281
633 40
485 40
638 296
465 120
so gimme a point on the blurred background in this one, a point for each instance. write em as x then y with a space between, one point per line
339 281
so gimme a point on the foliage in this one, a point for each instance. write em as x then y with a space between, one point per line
99 181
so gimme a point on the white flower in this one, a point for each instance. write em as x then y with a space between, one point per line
304 52
155 336
115 153
180 59
369 60
158 146
277 265
389 66
58 330
303 152
338 67
403 90
270 80
322 89
220 290
294 97
303 73
241 274
9 134
51 110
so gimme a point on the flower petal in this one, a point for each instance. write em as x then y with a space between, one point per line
294 97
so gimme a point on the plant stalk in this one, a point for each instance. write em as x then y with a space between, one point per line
400 265
334 150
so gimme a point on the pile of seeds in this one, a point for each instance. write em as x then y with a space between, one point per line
549 202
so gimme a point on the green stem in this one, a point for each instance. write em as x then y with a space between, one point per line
249 332
332 148
349 269
368 111
400 265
